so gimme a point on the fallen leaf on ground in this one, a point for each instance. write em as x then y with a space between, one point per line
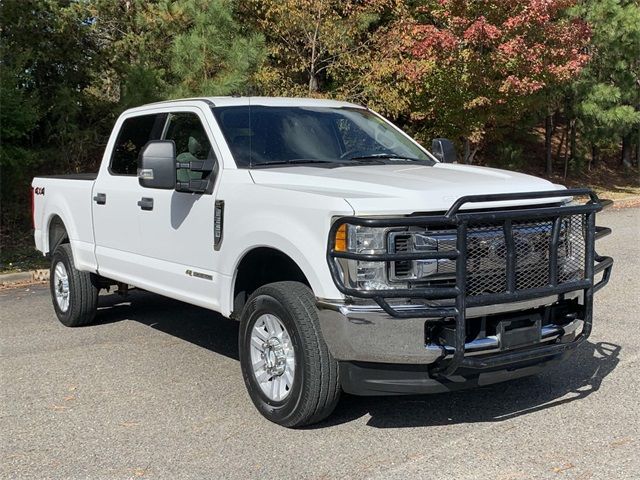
129 424
622 441
566 466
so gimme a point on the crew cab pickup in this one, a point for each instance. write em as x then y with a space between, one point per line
354 259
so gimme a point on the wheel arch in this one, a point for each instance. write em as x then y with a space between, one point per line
57 233
259 266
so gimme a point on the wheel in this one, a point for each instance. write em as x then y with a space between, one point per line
289 373
75 297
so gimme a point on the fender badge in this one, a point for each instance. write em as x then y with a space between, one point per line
203 276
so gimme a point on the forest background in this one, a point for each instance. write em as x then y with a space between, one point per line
549 87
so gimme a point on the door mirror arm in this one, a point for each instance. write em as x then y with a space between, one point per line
198 165
193 186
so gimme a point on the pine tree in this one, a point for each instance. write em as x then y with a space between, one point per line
212 56
608 91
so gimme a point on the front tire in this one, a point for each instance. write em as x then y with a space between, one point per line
288 370
74 295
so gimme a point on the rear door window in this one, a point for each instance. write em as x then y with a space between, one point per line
134 134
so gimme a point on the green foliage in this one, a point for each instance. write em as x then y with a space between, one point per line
212 57
18 117
47 62
315 47
472 68
509 156
487 71
140 85
607 94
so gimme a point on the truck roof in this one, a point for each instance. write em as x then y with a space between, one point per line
239 101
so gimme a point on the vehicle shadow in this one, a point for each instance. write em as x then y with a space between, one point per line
576 378
196 325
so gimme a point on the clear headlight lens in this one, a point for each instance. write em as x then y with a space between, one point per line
365 275
366 239
371 275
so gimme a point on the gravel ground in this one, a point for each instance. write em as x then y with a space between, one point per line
154 391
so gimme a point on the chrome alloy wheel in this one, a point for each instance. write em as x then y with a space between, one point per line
61 286
272 357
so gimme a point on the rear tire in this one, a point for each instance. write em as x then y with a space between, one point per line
288 370
74 295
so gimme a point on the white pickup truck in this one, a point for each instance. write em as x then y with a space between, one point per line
354 259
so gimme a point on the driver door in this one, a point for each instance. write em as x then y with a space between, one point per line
177 234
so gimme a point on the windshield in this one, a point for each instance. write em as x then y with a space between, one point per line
260 136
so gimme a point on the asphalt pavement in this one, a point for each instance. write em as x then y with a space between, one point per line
154 390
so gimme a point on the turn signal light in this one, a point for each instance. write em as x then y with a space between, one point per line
341 239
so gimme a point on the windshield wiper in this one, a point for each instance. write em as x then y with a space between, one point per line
385 156
293 161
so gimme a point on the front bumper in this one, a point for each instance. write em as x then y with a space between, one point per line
391 379
367 333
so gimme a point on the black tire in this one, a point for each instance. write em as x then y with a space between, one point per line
82 293
316 388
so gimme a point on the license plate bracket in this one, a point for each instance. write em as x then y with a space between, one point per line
519 332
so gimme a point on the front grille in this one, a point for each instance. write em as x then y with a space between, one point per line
487 256
402 268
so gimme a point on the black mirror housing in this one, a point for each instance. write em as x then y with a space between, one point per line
157 165
444 150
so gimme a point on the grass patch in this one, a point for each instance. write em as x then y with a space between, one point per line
21 259
20 255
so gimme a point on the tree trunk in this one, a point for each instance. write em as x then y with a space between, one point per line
626 151
595 154
563 137
473 154
548 135
571 146
467 150
638 149
313 82
572 140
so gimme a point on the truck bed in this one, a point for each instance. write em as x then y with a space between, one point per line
69 198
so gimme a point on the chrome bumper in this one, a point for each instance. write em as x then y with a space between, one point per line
366 333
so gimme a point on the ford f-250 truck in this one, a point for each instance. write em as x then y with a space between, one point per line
354 259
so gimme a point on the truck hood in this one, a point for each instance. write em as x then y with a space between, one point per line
402 189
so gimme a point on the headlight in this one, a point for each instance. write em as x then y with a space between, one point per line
358 274
366 239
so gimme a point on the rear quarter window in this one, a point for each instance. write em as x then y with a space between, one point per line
134 134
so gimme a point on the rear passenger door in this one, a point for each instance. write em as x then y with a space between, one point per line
115 195
178 233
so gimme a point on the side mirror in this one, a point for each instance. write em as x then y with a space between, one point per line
157 165
444 150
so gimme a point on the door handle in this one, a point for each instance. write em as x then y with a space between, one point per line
146 203
100 198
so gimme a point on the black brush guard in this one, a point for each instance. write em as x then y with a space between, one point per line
460 221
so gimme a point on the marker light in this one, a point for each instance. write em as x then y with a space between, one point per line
341 239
